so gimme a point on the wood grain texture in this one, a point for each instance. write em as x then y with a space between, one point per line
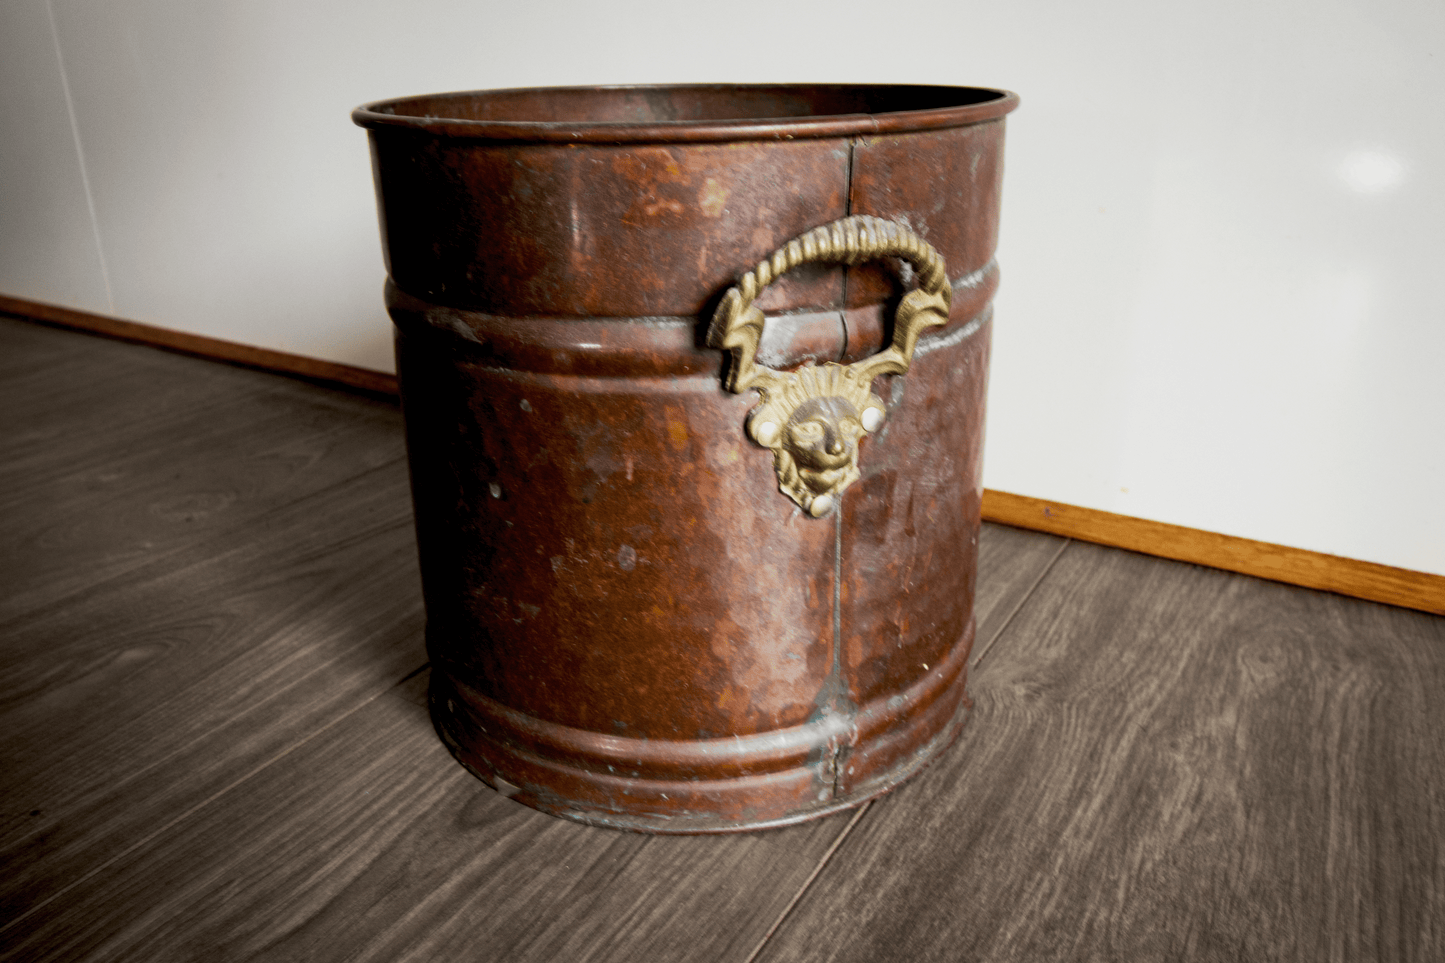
217 349
368 842
1166 763
202 566
180 704
112 456
1294 566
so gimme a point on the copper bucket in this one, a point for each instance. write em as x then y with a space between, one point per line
687 571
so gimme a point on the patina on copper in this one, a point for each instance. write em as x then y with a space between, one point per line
628 624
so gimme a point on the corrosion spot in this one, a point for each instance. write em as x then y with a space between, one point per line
713 197
677 433
627 558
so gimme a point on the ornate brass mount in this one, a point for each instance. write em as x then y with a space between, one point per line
812 418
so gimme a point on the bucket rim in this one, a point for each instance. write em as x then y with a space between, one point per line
975 105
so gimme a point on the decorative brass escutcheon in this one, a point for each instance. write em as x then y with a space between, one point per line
813 418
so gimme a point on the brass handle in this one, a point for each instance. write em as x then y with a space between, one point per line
812 418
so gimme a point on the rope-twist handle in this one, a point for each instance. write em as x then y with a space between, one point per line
738 324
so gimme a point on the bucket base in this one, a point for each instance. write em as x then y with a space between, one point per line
757 781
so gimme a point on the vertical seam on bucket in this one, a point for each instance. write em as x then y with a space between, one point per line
838 595
838 589
835 762
838 635
847 212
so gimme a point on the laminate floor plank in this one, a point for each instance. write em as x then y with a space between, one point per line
68 396
193 702
146 558
145 661
369 842
203 566
445 869
28 348
217 615
1011 562
138 453
1165 763
329 519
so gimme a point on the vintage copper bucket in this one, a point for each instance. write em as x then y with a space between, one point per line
686 571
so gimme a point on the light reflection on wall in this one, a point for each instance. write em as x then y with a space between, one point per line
1371 171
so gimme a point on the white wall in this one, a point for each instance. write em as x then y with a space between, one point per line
1224 223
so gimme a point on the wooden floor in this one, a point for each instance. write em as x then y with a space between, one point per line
214 744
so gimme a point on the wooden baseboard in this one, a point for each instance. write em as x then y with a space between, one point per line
1365 580
312 369
1347 576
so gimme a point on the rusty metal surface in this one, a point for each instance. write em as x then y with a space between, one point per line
629 625
960 220
607 231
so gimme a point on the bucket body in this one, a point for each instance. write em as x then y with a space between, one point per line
632 619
